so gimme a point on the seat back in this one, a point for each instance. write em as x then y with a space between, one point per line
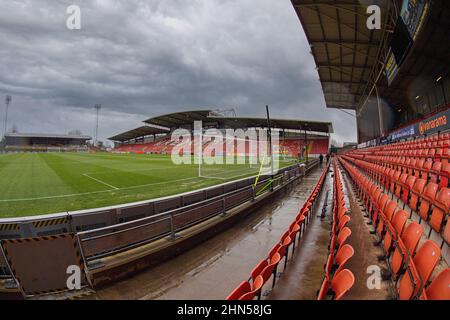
268 270
343 255
417 190
411 237
341 283
390 209
446 234
409 283
399 221
258 269
426 259
343 222
441 209
439 289
323 289
242 289
344 234
428 196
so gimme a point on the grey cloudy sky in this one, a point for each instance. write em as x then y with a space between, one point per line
142 58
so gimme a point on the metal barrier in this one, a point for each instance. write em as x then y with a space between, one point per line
113 239
40 265
104 217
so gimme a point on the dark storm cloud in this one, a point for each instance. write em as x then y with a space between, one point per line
144 58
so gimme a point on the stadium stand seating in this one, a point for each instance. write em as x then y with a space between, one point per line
404 188
268 267
288 147
337 280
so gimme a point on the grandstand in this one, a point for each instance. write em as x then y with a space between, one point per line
23 142
371 222
155 136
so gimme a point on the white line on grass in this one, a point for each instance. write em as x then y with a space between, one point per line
96 192
100 181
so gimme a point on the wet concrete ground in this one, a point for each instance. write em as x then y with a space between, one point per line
213 269
366 253
305 272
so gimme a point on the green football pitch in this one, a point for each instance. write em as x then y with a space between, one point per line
43 183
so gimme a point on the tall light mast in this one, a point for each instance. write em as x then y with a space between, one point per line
97 111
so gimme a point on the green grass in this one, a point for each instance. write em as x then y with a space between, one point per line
42 183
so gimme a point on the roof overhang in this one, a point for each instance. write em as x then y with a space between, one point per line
138 133
47 136
346 52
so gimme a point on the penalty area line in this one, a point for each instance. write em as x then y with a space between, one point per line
100 181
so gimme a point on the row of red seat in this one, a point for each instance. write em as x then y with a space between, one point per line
267 268
434 141
410 269
428 169
430 200
338 281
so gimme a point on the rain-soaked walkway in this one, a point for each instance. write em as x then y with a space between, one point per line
214 268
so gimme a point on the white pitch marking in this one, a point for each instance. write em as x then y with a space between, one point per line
95 192
100 181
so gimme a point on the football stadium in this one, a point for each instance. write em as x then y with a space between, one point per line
209 204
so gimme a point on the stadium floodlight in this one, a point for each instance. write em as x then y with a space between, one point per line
97 110
7 101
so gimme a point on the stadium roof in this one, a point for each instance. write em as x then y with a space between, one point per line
245 122
48 136
346 52
138 132
179 118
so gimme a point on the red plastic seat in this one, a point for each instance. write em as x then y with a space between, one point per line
344 234
271 268
428 197
406 247
440 210
439 289
394 230
407 188
258 283
323 289
343 222
258 269
242 289
435 172
341 283
446 234
344 254
416 191
426 259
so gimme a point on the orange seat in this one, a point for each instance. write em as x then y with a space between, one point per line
440 210
428 196
343 255
242 289
426 259
394 230
385 217
405 247
341 283
258 283
258 269
323 289
344 234
407 188
446 234
343 222
416 191
271 269
439 289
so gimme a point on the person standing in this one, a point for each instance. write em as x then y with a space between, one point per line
321 159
